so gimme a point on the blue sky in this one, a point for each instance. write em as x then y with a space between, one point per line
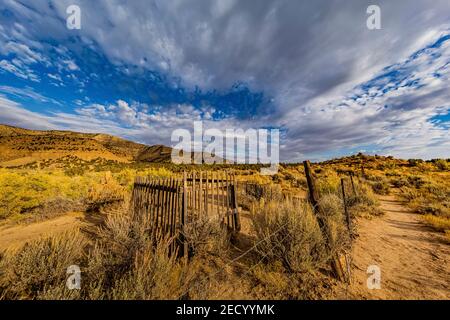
142 69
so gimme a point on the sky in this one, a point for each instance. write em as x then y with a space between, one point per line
313 69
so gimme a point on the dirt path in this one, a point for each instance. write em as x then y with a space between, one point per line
414 261
15 236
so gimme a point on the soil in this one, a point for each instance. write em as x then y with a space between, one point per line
413 259
15 236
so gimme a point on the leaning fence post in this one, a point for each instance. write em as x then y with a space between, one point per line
314 199
313 196
347 214
353 184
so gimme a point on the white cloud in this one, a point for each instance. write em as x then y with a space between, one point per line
24 73
307 56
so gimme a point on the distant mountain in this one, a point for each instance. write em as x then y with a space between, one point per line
157 153
22 146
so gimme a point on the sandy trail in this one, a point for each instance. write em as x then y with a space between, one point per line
12 237
414 260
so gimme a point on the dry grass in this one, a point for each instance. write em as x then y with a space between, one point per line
122 261
291 248
288 235
40 266
438 223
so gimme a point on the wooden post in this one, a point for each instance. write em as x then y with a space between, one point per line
201 193
344 199
171 206
193 194
216 182
313 195
353 185
206 192
164 206
314 199
184 216
227 198
237 222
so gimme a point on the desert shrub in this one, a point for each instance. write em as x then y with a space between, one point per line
27 191
415 181
399 182
329 183
438 223
153 274
380 187
206 236
364 202
127 263
414 162
300 183
288 235
425 206
106 191
123 262
428 196
40 266
250 193
271 284
332 209
442 165
289 176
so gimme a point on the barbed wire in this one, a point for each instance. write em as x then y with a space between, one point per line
238 258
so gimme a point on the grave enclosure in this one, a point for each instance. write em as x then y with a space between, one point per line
172 203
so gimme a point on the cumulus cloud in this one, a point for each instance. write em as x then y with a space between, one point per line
333 83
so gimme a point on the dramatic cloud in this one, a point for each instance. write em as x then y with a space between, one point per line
144 68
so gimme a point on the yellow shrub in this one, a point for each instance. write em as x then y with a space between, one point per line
438 223
24 190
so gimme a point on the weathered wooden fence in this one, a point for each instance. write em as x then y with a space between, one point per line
171 203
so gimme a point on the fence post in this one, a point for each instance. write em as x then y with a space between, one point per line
347 214
353 184
184 216
314 199
237 222
313 196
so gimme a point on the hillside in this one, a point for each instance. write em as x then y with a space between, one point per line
21 147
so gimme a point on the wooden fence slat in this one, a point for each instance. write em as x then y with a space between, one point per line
237 221
216 182
169 208
224 198
158 205
184 214
164 205
227 195
206 193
